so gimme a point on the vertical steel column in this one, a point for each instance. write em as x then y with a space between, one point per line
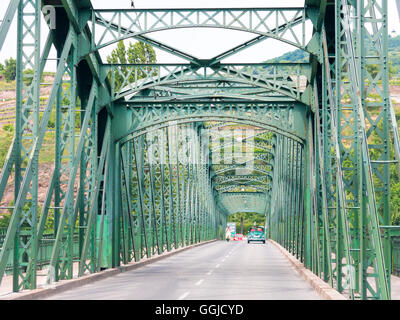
32 164
373 31
173 202
102 175
138 155
27 129
151 161
164 194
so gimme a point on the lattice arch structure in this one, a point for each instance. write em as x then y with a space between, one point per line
161 161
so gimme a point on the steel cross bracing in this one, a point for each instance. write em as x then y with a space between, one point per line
284 79
153 157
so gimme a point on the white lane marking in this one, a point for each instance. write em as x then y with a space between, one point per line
184 295
217 266
209 272
227 256
223 260
199 282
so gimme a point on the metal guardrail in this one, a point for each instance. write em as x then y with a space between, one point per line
396 256
45 248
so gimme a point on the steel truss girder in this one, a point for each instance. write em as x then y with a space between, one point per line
31 172
247 178
287 79
278 118
238 188
178 191
264 147
218 91
219 169
350 205
7 19
236 159
276 23
361 160
318 187
286 217
233 202
118 29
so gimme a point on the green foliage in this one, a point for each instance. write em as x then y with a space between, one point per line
138 52
6 135
373 70
394 197
5 218
393 61
293 56
8 128
10 69
27 77
248 220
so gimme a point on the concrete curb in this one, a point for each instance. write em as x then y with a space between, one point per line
65 285
320 286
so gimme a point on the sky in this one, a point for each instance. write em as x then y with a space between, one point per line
202 43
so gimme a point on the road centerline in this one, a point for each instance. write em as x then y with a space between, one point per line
199 282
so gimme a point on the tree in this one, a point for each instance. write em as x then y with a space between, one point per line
248 220
138 52
1 68
372 70
10 69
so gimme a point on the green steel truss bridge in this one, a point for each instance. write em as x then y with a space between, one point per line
166 152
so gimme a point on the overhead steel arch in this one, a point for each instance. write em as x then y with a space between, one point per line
252 178
277 118
110 26
243 202
256 188
283 79
254 145
256 168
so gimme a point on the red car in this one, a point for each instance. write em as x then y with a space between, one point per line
238 237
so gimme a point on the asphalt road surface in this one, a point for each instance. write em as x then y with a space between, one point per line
215 271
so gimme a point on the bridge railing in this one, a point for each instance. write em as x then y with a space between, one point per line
396 256
46 245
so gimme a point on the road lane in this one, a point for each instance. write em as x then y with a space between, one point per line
219 270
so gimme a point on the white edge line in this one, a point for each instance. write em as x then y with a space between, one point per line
184 295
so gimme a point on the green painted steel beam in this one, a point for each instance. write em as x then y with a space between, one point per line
311 165
285 79
7 19
137 22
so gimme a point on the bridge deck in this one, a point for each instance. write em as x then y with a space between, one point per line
220 270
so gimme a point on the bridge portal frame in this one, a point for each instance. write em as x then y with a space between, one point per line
334 221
